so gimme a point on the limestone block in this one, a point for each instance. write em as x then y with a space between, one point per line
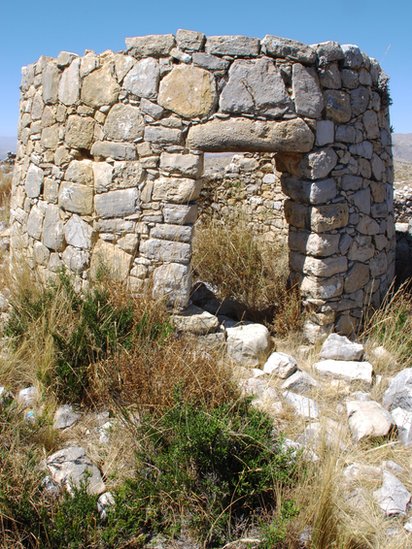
325 132
248 344
117 203
65 58
35 223
41 254
78 233
210 62
180 214
243 46
177 233
325 267
255 87
76 260
328 52
329 217
242 134
65 417
188 165
166 250
303 406
359 100
352 56
350 370
79 132
371 124
322 288
124 123
188 40
53 231
152 109
321 163
127 174
80 171
362 200
195 320
299 382
160 135
88 63
176 190
143 79
399 392
368 419
318 245
330 76
337 104
76 198
34 181
403 421
351 182
108 256
102 175
357 277
350 78
117 151
379 265
280 365
69 86
289 49
151 45
172 282
306 91
100 87
37 107
123 64
393 497
363 149
128 243
50 82
297 215
368 226
309 192
188 91
377 166
50 137
337 347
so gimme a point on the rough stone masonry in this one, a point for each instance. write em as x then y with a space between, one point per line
110 157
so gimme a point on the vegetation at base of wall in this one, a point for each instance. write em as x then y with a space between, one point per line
250 270
391 324
6 177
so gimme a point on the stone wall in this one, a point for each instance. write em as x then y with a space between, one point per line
246 186
110 159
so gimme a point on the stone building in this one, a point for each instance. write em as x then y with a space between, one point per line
110 161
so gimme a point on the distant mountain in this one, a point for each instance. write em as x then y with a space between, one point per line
7 144
402 146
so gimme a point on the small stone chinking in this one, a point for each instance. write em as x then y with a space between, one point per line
111 148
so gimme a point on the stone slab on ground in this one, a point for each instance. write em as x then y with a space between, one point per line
303 406
195 321
339 347
392 497
248 344
280 365
368 419
348 370
399 392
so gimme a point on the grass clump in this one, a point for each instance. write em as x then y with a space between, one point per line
249 270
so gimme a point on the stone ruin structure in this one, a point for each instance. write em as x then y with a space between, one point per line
111 148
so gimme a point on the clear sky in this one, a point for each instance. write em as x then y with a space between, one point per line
383 29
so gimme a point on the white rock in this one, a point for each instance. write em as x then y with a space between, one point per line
65 417
280 365
403 421
368 419
392 497
28 396
303 406
399 392
361 471
339 347
299 382
345 369
70 467
327 432
195 321
104 502
408 525
248 343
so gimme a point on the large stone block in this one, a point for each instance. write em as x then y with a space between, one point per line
166 250
176 190
34 181
337 105
76 198
124 123
325 267
188 40
35 223
53 231
112 259
160 135
69 86
117 151
50 137
50 81
143 79
306 90
233 45
243 134
189 165
172 282
188 91
357 277
309 192
78 233
180 214
318 245
151 45
79 132
255 87
210 62
80 171
176 233
116 203
327 218
322 288
276 46
100 87
76 260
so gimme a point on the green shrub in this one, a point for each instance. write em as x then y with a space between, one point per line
209 471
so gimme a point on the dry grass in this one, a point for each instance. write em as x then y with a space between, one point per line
249 270
6 177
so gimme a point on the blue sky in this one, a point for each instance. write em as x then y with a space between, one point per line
31 28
